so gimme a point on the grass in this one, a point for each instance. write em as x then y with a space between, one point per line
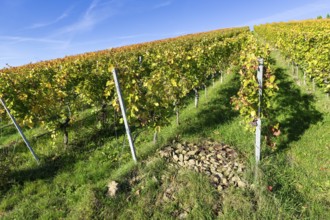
300 167
71 181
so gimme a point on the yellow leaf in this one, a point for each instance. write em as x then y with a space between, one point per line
111 67
173 82
110 83
107 93
114 102
134 108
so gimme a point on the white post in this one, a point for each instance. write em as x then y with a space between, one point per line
19 130
177 114
196 98
123 111
258 128
292 68
297 71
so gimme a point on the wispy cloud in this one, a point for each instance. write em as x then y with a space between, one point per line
295 13
45 24
17 39
163 4
126 39
96 12
8 58
151 35
133 36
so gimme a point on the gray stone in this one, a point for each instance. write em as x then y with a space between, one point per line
216 179
191 162
192 153
239 170
180 157
241 184
183 215
213 171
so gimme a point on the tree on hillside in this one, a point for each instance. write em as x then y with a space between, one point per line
319 17
328 16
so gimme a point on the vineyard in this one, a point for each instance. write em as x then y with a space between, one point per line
163 83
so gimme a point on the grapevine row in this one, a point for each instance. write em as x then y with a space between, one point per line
306 43
154 78
246 100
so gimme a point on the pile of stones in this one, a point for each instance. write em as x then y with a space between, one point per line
218 161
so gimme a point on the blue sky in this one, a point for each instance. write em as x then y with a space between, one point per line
35 30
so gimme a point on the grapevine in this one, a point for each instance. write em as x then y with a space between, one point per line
246 101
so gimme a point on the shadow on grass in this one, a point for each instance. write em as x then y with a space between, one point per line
8 130
284 186
295 110
217 110
78 150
